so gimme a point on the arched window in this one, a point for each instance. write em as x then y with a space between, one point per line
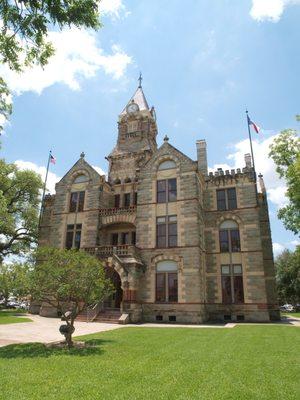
166 281
229 236
117 181
168 164
81 178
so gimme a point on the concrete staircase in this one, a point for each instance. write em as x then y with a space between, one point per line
110 315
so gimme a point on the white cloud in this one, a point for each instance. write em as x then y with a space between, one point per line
295 242
52 177
112 7
269 10
99 170
77 56
275 186
277 248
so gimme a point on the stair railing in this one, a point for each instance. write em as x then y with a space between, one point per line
93 312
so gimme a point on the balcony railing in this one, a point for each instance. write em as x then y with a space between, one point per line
108 251
117 210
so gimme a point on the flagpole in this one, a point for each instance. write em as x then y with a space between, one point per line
250 139
44 188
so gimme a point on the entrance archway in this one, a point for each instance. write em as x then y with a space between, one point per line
115 299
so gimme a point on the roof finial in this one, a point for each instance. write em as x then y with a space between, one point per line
140 80
82 155
166 139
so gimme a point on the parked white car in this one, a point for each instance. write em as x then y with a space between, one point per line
287 308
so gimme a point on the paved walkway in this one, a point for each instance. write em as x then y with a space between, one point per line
45 330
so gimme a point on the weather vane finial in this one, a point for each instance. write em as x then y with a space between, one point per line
140 80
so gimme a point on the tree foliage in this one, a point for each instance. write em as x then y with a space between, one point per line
24 28
19 209
67 279
287 266
14 280
285 151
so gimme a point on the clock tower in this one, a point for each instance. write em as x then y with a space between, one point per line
137 131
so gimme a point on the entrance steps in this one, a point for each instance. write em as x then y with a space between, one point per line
109 315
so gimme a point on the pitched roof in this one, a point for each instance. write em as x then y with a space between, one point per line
138 98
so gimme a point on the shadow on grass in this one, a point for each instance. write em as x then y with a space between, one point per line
32 350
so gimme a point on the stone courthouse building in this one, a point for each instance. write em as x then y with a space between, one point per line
180 244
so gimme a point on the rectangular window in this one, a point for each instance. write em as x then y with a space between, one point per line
166 231
172 287
114 239
117 200
172 190
231 199
235 240
135 199
224 241
73 236
166 190
161 232
172 231
77 201
229 240
226 199
221 200
232 284
127 200
161 287
161 191
81 201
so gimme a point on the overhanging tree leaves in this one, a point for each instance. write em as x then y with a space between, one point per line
67 279
285 151
19 209
287 266
24 28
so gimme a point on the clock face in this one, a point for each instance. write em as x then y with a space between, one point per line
132 107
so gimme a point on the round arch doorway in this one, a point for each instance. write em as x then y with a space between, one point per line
115 299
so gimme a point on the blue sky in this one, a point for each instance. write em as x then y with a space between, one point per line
203 63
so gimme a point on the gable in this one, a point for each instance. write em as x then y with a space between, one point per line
168 152
81 167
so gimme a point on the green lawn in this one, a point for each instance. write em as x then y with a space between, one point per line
9 317
292 314
246 362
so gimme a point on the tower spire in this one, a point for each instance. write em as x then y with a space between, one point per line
140 80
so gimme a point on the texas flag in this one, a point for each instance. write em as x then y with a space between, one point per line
52 159
255 126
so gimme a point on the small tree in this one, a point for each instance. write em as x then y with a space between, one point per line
287 266
19 208
66 279
14 280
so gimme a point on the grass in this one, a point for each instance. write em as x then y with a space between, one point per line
291 314
10 317
246 362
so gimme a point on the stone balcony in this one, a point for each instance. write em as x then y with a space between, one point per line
118 215
126 250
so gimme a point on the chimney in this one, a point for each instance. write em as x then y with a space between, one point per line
202 156
248 160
